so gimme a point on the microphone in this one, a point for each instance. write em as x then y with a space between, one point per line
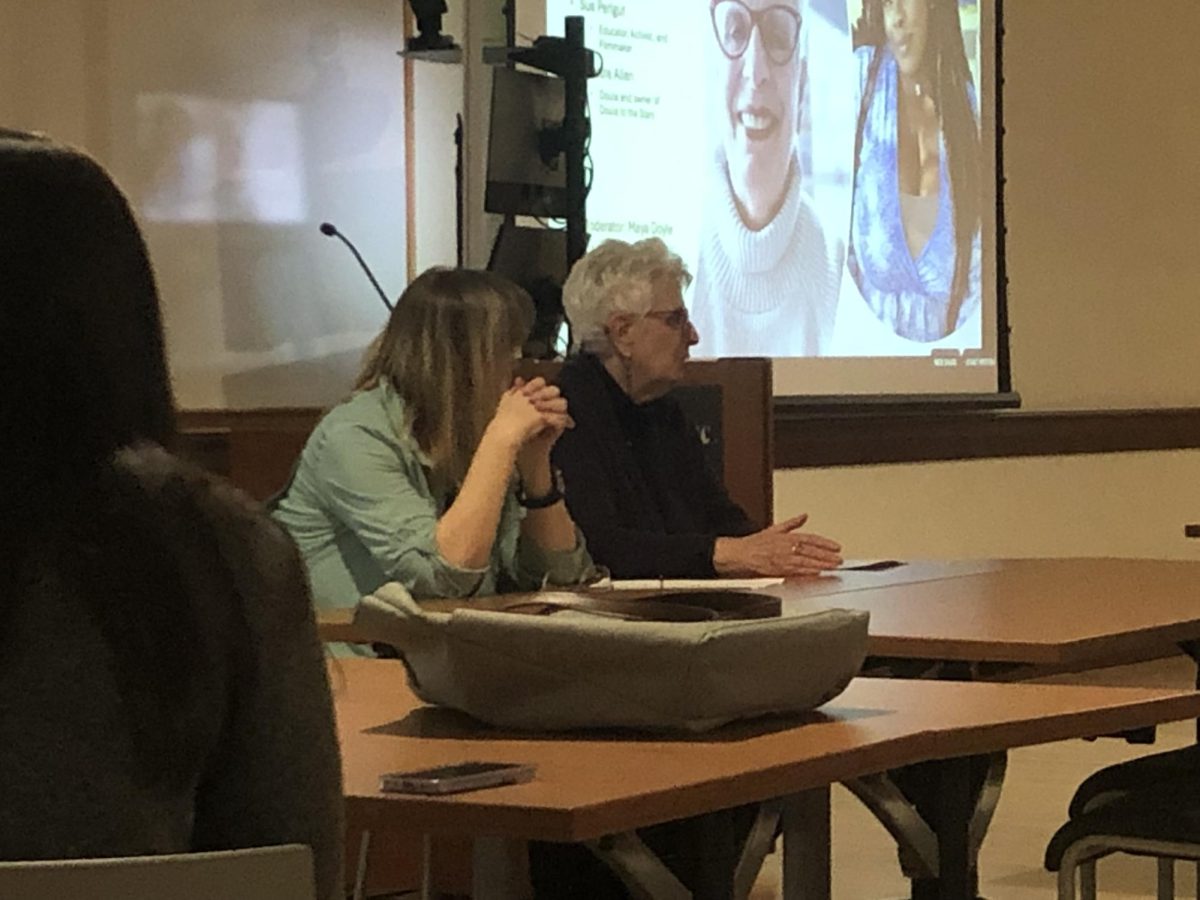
329 230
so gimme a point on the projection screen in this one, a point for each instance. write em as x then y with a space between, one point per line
827 169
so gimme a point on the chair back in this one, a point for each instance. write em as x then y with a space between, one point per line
259 873
730 404
746 439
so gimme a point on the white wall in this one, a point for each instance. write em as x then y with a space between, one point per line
236 127
1104 260
437 100
1117 504
1104 206
45 52
1102 246
441 92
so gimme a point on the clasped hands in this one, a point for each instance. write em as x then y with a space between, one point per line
530 417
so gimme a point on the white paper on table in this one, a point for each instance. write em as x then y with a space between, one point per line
688 584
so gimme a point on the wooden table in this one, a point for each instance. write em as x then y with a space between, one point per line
995 620
1077 613
1000 621
1005 614
607 784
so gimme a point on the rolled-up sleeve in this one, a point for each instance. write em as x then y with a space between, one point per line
536 565
379 491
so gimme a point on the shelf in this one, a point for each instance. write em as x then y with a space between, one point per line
449 56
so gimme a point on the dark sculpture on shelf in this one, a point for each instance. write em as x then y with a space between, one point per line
429 26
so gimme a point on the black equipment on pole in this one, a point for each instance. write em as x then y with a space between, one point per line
537 160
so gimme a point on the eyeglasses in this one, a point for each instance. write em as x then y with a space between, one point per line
676 318
734 24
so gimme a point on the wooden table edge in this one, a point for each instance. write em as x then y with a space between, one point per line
467 816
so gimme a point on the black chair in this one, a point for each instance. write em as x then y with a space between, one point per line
730 402
1144 807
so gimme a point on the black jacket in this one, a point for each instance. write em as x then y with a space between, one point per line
636 481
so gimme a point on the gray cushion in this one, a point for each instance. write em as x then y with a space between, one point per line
577 670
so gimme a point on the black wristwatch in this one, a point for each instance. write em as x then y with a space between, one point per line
549 498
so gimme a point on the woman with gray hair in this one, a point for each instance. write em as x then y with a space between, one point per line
638 488
636 481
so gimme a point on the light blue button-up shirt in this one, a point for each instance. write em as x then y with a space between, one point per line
363 512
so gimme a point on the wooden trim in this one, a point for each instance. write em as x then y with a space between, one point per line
855 439
289 418
410 166
747 431
257 448
206 446
260 446
806 441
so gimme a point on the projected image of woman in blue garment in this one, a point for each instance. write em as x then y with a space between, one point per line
915 227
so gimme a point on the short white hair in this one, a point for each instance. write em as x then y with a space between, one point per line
616 277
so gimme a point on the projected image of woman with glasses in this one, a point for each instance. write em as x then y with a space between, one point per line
915 225
768 274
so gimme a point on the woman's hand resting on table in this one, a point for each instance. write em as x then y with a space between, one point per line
781 550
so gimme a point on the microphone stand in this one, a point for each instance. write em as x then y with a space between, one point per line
328 229
458 189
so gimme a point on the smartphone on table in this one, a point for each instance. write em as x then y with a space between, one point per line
451 779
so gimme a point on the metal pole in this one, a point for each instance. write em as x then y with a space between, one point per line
575 126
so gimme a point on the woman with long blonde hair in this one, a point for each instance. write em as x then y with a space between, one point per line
436 472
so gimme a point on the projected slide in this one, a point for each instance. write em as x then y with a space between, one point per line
218 161
824 167
237 128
